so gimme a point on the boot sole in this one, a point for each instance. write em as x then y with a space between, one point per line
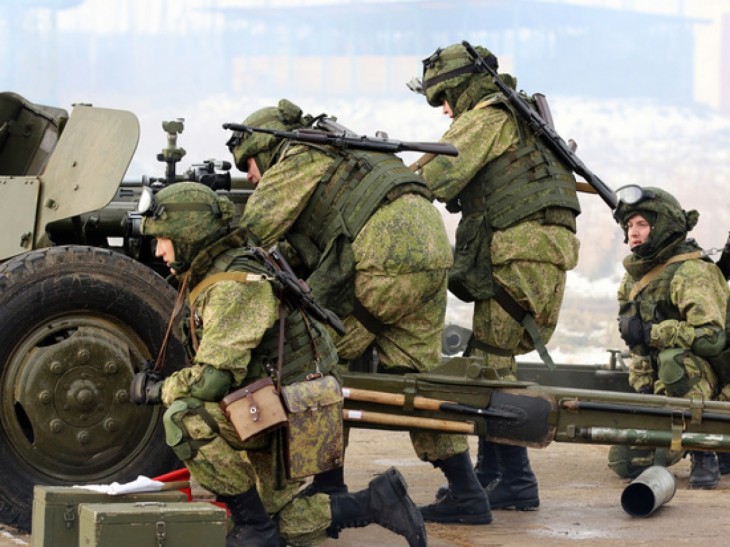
485 518
517 507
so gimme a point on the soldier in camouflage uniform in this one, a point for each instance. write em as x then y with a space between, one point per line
231 334
374 250
515 240
673 303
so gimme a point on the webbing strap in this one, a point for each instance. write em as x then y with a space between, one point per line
656 270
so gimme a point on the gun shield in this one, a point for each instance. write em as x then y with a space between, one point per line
649 491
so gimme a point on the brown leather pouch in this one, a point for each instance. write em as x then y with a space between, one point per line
254 409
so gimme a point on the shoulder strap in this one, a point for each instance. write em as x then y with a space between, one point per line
241 277
656 270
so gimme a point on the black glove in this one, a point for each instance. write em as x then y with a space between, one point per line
146 387
634 331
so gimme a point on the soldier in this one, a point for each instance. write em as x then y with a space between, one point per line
672 315
375 251
231 333
514 243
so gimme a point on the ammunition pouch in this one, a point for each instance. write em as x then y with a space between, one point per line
254 409
470 278
315 432
671 371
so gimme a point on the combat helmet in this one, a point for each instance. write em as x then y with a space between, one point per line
449 72
286 116
669 222
190 214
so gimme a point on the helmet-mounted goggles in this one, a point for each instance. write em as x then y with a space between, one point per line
148 207
631 194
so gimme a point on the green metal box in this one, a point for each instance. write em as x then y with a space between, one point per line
55 517
152 524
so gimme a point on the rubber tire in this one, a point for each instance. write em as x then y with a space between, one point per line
47 284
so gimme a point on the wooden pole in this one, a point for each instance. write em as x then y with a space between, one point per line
408 421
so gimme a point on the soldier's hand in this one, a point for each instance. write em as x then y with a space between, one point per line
146 387
634 331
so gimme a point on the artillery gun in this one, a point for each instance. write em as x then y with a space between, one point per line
81 301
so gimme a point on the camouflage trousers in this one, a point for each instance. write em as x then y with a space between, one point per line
225 465
530 262
412 308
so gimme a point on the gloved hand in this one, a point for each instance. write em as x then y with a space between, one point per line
146 386
634 331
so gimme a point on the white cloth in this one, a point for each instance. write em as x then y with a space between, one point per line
140 484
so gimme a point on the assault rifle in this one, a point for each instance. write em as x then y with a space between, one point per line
326 131
298 290
544 131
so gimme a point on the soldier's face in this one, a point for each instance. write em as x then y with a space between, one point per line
165 250
447 109
638 229
253 174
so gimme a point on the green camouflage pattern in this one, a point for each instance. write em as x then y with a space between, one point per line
700 294
314 407
189 230
481 136
262 146
402 256
530 260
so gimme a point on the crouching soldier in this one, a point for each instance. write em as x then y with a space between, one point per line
232 333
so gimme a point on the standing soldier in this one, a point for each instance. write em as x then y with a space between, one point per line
232 332
673 303
375 251
514 243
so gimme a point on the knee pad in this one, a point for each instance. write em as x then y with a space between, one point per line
629 461
672 373
177 436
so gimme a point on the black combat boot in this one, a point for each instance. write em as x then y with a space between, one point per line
723 458
385 502
704 471
330 482
465 501
517 489
486 468
252 525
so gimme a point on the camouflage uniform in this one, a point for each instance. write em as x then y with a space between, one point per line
516 233
374 248
232 334
680 311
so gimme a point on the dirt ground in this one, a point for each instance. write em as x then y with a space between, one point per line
579 495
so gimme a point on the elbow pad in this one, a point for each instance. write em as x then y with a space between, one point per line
212 385
709 341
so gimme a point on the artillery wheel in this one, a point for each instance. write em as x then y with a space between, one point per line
75 324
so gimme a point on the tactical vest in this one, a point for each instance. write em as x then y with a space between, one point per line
306 345
354 186
522 182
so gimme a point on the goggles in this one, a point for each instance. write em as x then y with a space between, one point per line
631 194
